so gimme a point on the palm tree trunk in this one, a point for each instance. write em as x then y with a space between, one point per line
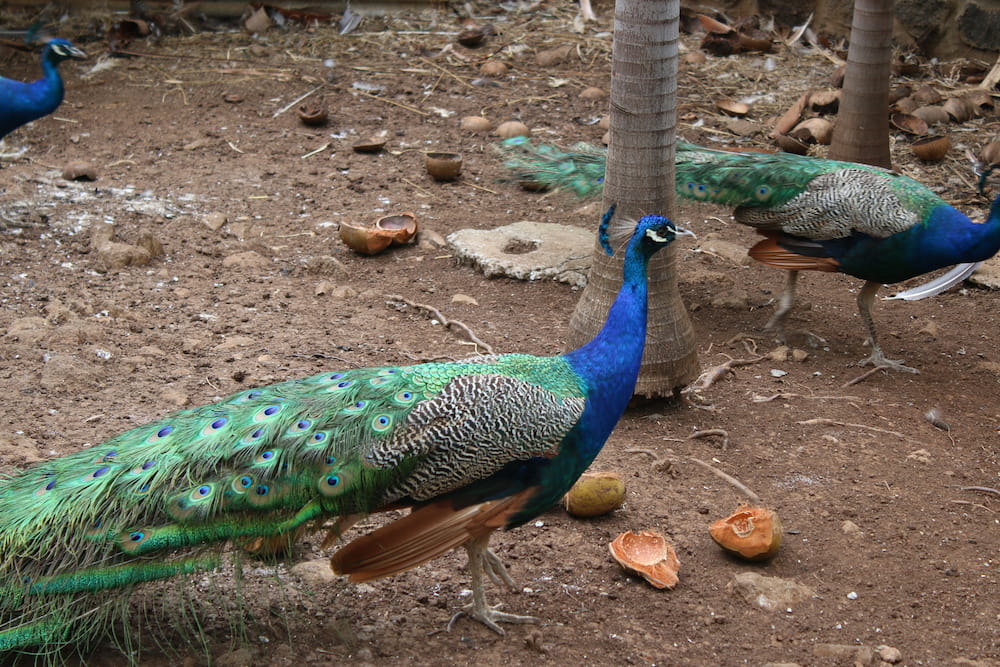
862 130
640 180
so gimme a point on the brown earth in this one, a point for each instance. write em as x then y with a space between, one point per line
255 287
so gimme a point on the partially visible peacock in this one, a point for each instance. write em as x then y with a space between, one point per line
471 446
21 103
815 214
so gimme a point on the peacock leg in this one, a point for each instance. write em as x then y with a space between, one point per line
482 559
785 303
865 299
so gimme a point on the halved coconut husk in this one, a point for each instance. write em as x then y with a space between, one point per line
648 554
401 226
365 239
753 533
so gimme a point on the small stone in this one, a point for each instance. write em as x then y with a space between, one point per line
848 527
799 355
920 456
116 256
464 298
150 244
214 221
593 93
779 353
769 593
325 265
889 654
79 171
233 342
247 260
431 240
930 328
323 288
344 292
845 653
314 572
777 373
555 56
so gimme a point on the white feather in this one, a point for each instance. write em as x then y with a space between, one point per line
957 274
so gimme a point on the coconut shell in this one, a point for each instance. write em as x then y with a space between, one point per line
752 533
648 554
595 494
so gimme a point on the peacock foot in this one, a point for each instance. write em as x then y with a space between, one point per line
491 617
878 360
495 569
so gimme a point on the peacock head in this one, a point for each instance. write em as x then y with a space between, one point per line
651 233
59 49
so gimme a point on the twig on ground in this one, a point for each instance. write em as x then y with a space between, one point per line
822 421
710 376
984 489
757 398
666 464
864 376
448 324
740 486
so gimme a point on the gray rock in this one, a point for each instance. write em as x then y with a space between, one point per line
527 250
770 593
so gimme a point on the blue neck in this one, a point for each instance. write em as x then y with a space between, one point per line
609 363
53 83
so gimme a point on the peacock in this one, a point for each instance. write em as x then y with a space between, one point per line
21 103
815 215
469 446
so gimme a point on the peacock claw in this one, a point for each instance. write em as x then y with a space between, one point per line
495 570
490 617
878 360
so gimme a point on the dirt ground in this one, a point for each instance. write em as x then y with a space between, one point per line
193 148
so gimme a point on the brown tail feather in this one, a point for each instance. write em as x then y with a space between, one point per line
423 534
769 252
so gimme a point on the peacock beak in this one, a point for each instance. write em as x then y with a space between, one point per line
681 231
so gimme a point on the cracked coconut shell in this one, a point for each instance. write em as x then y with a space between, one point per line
752 533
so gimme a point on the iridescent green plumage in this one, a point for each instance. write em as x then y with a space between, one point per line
470 446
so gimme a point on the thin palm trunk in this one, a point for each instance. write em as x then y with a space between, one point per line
640 180
862 130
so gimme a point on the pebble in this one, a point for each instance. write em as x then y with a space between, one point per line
79 171
314 572
464 298
247 260
769 593
889 654
214 221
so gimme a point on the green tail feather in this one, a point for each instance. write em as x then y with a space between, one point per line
751 180
79 532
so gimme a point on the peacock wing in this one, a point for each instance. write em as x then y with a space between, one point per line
473 428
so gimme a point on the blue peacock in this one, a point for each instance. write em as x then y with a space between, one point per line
815 215
470 446
21 103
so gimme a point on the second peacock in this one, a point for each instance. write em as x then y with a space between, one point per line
815 215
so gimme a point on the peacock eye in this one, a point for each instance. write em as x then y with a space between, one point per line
148 464
271 410
263 490
245 482
164 432
319 437
256 434
332 480
330 460
136 536
219 423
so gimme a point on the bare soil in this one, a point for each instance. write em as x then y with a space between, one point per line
256 287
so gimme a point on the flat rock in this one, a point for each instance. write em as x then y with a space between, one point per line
527 251
770 593
988 274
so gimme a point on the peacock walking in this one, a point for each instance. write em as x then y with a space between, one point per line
21 103
815 215
471 446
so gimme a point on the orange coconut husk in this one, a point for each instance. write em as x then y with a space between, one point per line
751 532
648 554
